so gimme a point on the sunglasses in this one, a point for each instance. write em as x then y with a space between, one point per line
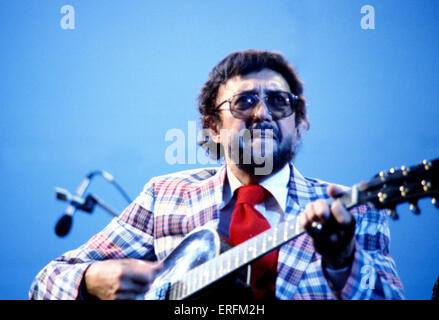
280 104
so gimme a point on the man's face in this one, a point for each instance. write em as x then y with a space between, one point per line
270 139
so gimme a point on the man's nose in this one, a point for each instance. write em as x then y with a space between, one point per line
262 112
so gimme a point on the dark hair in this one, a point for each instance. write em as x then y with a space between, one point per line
241 63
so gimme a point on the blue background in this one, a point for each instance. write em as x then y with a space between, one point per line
102 96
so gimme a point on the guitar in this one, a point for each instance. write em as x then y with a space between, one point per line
196 263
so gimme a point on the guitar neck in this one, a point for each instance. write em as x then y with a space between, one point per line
242 255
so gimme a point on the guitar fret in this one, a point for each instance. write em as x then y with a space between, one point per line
206 276
226 264
279 235
213 270
194 284
257 246
176 291
250 249
235 258
173 291
200 276
221 270
189 285
264 242
190 281
262 246
184 291
245 253
275 236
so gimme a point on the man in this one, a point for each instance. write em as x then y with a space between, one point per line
253 108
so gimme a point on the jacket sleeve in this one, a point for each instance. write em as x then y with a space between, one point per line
129 235
373 272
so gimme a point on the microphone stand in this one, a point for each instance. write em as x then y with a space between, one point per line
93 200
76 202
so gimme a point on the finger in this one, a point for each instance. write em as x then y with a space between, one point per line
143 272
362 186
130 285
340 213
303 217
309 219
310 215
321 211
317 211
334 190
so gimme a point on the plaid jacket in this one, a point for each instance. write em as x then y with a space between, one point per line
171 206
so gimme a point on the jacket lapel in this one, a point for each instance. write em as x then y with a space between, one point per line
295 255
204 199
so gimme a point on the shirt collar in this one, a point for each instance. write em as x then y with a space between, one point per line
276 184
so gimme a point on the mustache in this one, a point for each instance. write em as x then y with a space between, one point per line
262 126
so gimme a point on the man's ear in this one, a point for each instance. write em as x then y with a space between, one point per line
213 126
302 127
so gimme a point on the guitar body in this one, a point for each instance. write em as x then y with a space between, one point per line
194 250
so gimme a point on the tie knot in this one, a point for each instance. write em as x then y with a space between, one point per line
252 194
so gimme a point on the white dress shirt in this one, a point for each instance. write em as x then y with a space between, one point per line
273 208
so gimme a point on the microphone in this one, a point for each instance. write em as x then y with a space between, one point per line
64 224
87 204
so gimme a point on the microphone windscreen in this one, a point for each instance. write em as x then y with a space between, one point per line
63 226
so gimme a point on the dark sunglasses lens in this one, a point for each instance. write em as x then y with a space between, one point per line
281 104
243 104
278 100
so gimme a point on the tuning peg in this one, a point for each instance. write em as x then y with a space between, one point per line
405 170
426 185
382 196
382 175
427 164
404 190
414 208
393 214
435 202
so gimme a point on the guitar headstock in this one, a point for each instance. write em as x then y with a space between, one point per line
400 185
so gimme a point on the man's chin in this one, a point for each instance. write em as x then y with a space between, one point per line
262 155
265 164
265 146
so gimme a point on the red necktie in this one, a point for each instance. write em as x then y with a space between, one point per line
246 223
